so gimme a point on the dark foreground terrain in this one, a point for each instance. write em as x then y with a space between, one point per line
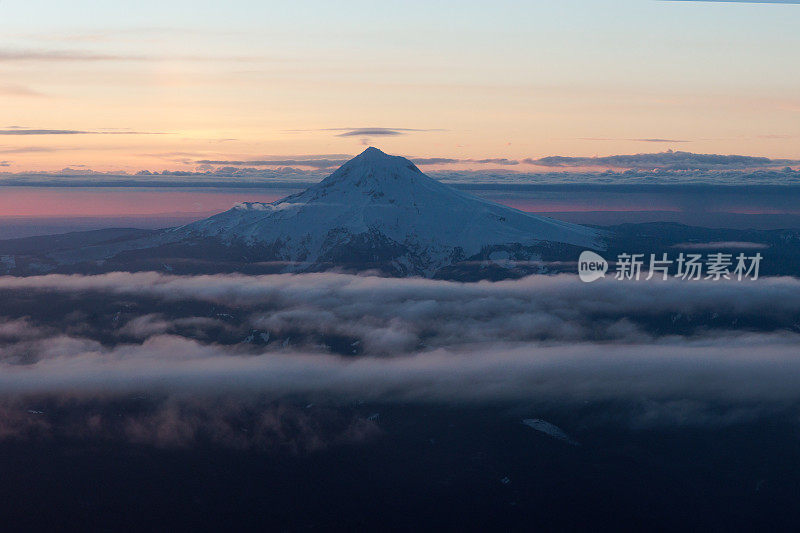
327 402
418 468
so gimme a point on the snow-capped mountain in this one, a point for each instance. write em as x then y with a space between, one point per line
376 212
378 208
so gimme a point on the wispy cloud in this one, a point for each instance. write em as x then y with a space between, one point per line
361 132
372 131
493 161
7 55
660 140
16 130
39 55
171 156
314 163
449 161
644 140
11 89
27 150
434 160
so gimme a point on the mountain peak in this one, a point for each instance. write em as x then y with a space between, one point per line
372 152
375 157
371 172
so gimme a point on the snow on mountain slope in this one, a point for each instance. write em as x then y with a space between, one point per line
379 201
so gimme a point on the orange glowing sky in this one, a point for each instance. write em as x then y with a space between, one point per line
177 82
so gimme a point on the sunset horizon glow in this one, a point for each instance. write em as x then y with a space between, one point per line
160 86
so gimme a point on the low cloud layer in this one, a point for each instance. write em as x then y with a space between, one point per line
333 163
668 168
754 368
422 340
283 362
665 161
